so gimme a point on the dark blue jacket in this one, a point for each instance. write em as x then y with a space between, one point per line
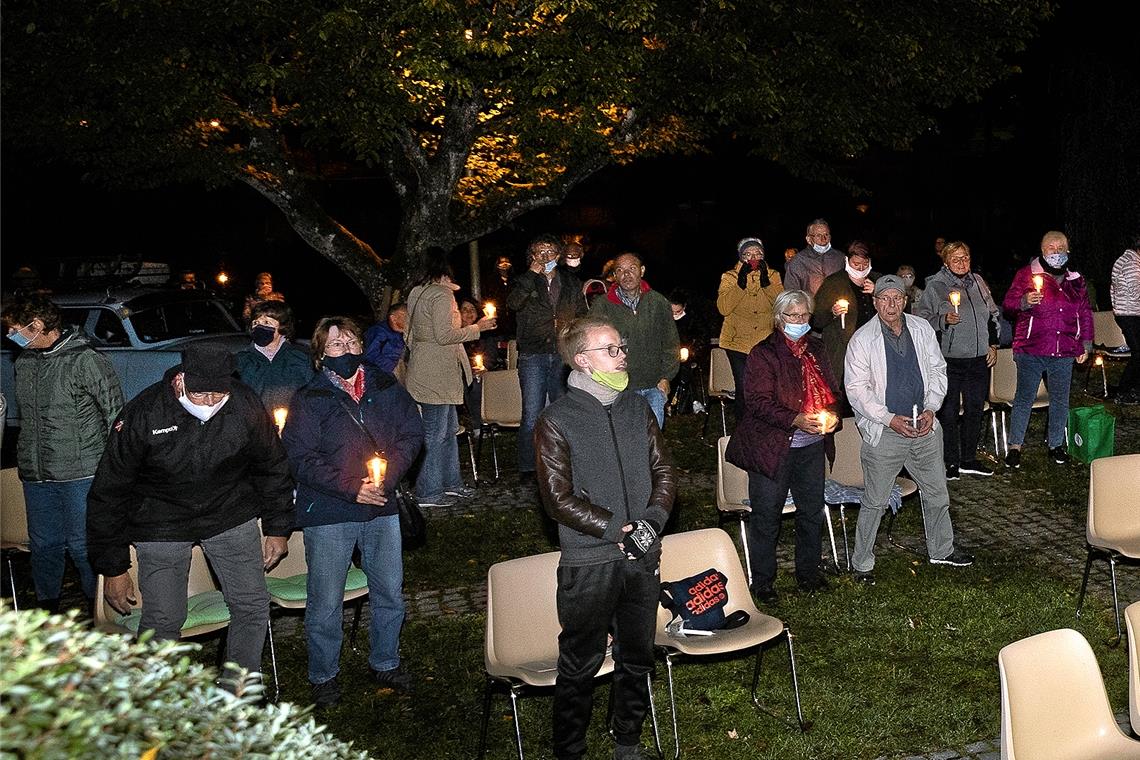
383 346
275 381
328 452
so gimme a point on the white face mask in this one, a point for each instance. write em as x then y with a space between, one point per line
908 279
678 316
573 263
858 274
821 248
203 413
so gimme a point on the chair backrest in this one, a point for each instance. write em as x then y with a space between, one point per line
1106 332
1132 622
522 612
512 354
1114 508
1053 700
502 398
1003 381
721 382
847 470
686 554
731 481
13 513
294 562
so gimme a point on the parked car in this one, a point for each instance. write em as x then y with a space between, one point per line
141 330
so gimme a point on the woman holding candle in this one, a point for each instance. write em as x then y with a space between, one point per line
351 435
959 306
791 399
1052 325
844 302
272 365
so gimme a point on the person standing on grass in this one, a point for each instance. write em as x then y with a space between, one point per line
1125 291
896 381
69 395
605 478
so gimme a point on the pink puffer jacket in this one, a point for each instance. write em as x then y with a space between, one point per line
1061 325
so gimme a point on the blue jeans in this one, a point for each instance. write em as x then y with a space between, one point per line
439 470
541 383
57 526
656 401
1058 371
328 553
235 557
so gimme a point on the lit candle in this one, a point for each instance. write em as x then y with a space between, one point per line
1038 282
955 299
824 421
684 354
479 362
279 415
489 310
377 466
842 303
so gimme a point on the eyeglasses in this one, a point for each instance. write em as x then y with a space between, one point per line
342 345
800 317
632 271
206 397
892 299
613 351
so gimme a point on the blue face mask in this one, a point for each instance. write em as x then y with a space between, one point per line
20 339
548 267
1057 260
796 331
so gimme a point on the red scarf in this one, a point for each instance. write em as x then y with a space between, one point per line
817 395
354 386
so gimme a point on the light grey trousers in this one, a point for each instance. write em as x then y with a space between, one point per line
922 458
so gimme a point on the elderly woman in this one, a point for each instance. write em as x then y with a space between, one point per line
791 397
745 298
1049 305
960 308
438 372
349 413
272 365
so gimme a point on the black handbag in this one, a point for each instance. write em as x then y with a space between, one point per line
413 525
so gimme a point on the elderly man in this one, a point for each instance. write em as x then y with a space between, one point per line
808 268
605 478
544 298
896 380
645 320
68 395
193 459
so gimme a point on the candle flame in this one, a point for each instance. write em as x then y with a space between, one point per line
1038 282
279 415
684 354
479 361
841 303
955 297
489 310
377 467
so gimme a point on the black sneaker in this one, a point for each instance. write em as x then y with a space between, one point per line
396 679
766 594
976 468
957 558
818 583
460 492
1059 455
326 694
865 579
951 472
1013 459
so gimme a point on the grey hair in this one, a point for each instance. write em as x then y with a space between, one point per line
815 222
790 298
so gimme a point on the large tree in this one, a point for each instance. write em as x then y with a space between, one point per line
476 111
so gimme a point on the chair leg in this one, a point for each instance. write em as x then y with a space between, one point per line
515 718
357 604
747 553
843 526
708 414
672 705
1084 581
831 536
653 715
495 453
723 418
795 682
12 582
273 660
1004 436
1115 601
471 451
486 718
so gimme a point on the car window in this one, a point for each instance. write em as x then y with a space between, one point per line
108 330
180 320
76 318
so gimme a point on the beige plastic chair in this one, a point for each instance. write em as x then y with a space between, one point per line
1003 387
512 354
1132 621
502 405
1053 702
13 521
1108 334
731 498
847 470
1113 527
286 583
722 387
686 554
521 646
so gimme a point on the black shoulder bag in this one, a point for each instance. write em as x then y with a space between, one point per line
413 526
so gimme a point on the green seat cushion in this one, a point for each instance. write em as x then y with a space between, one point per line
207 608
292 589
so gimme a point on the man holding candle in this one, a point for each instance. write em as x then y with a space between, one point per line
352 434
791 400
896 381
959 306
543 298
1049 304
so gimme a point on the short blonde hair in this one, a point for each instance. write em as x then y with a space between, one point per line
1054 236
952 247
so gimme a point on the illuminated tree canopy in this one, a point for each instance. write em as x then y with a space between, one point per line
476 111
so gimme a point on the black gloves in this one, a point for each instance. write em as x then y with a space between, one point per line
639 540
742 276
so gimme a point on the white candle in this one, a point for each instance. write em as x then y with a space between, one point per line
1038 282
377 467
955 299
914 416
842 303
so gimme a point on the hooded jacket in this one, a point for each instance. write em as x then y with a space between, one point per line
979 314
166 476
1061 325
69 395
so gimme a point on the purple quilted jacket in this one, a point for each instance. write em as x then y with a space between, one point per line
1061 325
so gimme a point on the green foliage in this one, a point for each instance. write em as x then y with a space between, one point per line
71 692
